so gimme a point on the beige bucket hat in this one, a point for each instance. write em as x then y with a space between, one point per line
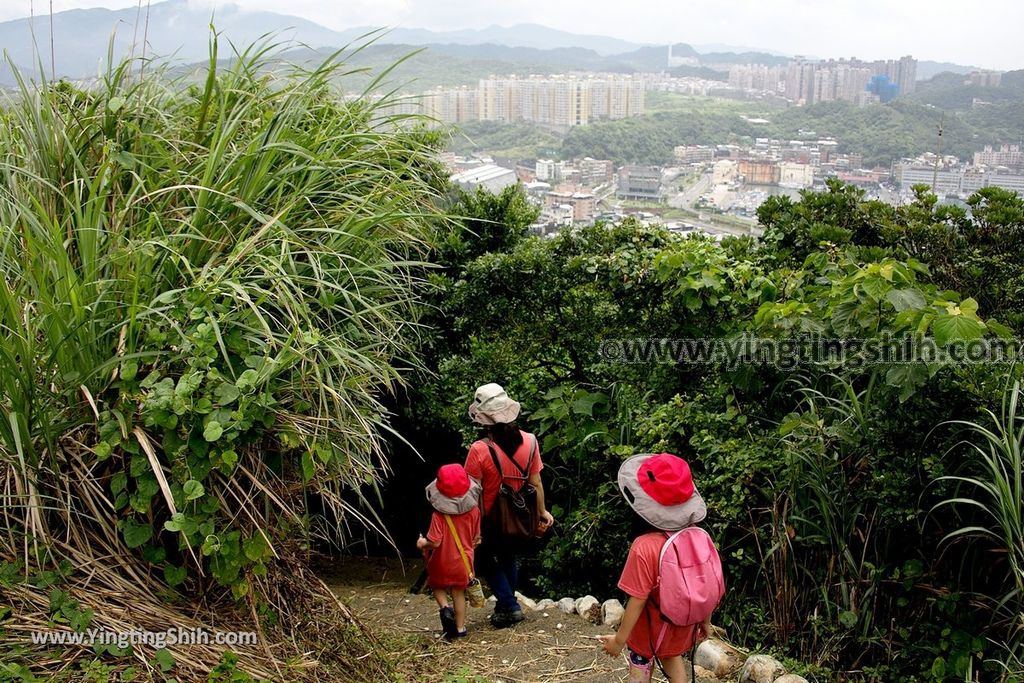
491 405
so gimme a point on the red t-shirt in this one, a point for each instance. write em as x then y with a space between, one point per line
480 466
639 578
445 568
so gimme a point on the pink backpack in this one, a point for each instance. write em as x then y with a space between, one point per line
690 580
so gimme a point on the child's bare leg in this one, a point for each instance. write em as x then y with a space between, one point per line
441 595
677 671
459 598
640 668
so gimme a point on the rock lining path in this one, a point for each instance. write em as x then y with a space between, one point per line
535 651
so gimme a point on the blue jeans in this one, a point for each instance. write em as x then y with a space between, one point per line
502 571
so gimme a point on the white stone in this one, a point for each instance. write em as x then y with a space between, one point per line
790 678
589 608
546 604
526 602
760 669
703 673
492 598
718 657
567 605
611 613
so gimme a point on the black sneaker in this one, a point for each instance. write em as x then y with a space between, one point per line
448 622
505 618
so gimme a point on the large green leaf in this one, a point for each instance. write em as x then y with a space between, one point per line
906 299
955 328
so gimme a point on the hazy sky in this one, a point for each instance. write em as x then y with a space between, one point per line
982 34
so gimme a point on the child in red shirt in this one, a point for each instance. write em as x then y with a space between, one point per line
660 490
455 498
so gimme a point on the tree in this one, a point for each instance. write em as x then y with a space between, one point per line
484 222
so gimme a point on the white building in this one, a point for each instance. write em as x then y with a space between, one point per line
561 215
795 175
549 171
725 171
490 177
955 179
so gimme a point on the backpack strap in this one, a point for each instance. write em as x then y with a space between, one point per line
664 548
524 472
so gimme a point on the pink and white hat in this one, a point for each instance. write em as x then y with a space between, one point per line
453 492
660 489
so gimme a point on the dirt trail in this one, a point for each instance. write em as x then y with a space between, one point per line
548 647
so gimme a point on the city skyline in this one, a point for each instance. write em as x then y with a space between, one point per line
869 29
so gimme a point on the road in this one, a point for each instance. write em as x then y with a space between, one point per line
687 198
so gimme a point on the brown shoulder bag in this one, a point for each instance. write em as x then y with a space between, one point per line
514 514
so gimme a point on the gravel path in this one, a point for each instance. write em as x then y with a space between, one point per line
548 647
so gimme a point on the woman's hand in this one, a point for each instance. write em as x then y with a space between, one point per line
611 645
421 543
546 520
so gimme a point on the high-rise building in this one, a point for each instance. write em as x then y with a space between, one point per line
800 81
985 79
497 99
1006 155
906 74
453 105
561 101
808 82
759 77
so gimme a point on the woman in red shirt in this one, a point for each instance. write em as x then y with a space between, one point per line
456 496
518 458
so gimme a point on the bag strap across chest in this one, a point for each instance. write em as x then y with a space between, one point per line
523 472
458 544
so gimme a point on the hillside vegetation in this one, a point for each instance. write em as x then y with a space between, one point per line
231 307
881 133
868 505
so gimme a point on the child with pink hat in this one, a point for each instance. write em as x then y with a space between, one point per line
454 533
661 492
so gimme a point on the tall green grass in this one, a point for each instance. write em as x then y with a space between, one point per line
254 205
990 500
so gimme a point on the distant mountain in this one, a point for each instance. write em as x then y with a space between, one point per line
927 69
949 91
81 37
175 28
519 35
456 65
7 75
706 48
743 58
